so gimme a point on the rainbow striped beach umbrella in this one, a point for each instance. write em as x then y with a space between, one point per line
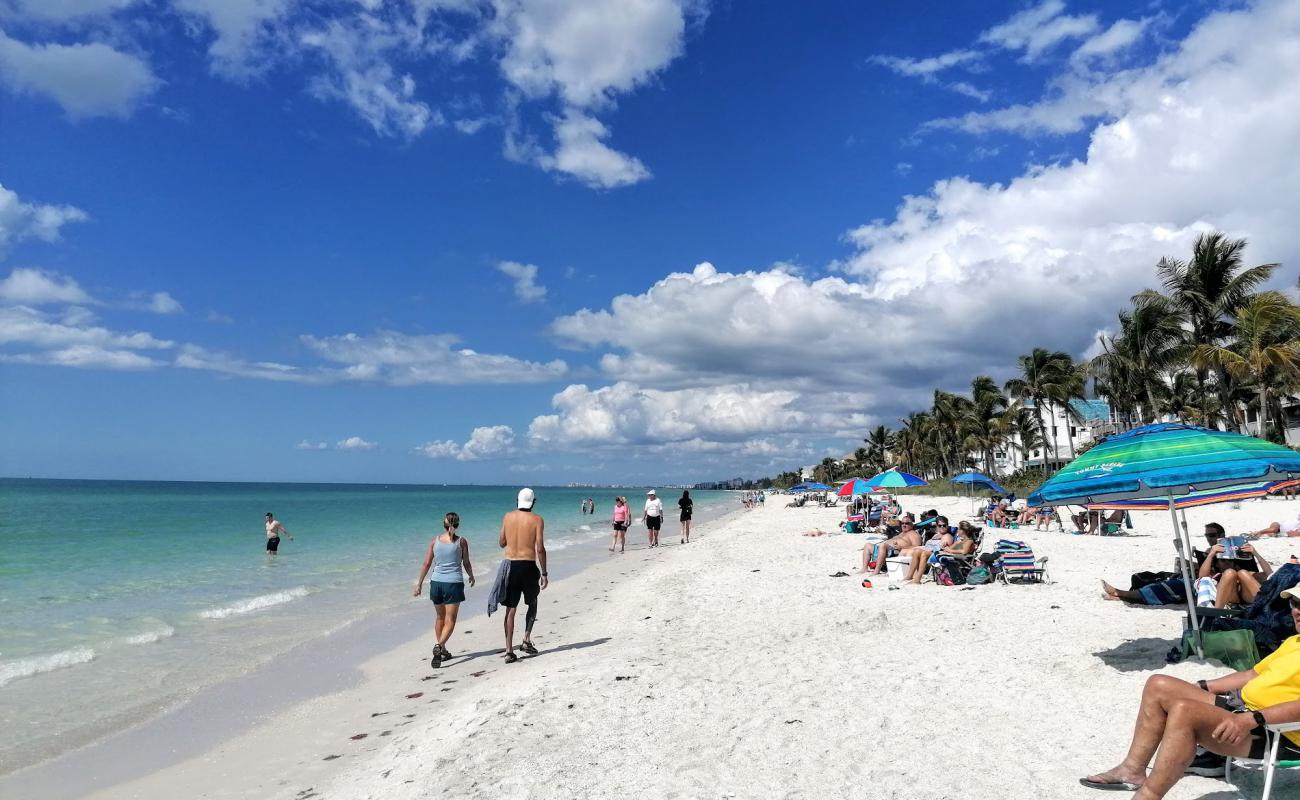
1168 465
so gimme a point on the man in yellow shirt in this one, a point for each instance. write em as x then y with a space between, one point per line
1225 716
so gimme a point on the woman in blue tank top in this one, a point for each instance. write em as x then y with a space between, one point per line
447 554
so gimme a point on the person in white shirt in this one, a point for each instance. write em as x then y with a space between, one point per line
653 517
1284 528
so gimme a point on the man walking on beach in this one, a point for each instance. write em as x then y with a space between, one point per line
273 531
653 517
521 536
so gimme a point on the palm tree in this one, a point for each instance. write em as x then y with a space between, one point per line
1151 344
986 420
1044 375
1266 351
879 443
1207 291
1027 429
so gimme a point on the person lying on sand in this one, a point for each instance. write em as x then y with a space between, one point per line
879 551
1226 715
813 532
1284 528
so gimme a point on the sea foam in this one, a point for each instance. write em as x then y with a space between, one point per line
27 667
255 603
149 637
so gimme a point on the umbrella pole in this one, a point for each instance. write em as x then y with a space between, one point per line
1183 545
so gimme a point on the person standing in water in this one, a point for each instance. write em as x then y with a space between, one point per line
622 516
522 537
687 506
447 554
273 531
653 517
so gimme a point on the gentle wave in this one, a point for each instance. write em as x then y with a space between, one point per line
27 667
149 637
255 603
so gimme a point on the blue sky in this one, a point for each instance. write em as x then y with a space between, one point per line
623 240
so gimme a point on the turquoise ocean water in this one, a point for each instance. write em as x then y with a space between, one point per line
120 598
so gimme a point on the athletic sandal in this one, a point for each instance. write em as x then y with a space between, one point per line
528 648
511 658
1110 786
436 661
446 654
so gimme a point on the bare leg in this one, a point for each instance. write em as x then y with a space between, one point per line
449 623
1249 586
1189 723
442 621
1229 589
1159 695
510 629
1126 595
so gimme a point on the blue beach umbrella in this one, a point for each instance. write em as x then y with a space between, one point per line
894 479
810 486
1171 462
976 479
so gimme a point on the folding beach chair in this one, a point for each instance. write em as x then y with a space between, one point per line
1270 762
1019 564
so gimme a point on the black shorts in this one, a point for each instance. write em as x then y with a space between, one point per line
653 523
619 527
686 516
273 544
524 580
1259 740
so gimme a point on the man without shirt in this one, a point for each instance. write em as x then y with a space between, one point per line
521 536
273 531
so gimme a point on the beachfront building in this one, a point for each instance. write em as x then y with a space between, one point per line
1087 422
1290 414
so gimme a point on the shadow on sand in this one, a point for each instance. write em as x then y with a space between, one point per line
1136 655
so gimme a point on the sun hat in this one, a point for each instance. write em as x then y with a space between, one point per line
650 493
1291 594
526 499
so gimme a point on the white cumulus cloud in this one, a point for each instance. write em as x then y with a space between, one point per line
23 220
355 443
87 80
526 287
36 287
484 442
404 360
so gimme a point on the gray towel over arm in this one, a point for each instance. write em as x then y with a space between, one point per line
498 592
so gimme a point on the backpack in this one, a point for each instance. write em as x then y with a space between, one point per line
943 578
979 576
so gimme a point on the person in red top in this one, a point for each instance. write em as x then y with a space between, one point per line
622 514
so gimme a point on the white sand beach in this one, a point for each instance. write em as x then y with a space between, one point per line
735 667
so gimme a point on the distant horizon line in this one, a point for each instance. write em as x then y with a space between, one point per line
364 483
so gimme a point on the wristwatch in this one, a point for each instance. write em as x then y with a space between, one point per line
1259 718
543 574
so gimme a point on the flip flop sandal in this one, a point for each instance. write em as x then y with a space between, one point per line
839 575
1110 786
511 658
528 648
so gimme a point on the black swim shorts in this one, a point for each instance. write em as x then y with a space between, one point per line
273 544
620 526
653 523
1259 738
524 580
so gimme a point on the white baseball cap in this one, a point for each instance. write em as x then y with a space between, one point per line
526 498
1291 594
650 493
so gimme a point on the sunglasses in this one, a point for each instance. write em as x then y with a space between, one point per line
1295 602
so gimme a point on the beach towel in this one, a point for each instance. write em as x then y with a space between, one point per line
1207 591
498 592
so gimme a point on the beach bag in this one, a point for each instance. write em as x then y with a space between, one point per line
979 576
1234 649
943 578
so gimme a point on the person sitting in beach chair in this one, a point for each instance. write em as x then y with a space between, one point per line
1043 517
1171 590
875 553
940 545
1089 522
1234 580
1231 716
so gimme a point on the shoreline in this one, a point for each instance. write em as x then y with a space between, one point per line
348 661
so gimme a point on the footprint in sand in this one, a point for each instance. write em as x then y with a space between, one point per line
386 733
414 695
478 674
356 737
378 714
409 716
330 758
447 689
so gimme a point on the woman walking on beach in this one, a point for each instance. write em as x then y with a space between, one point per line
622 515
447 554
687 506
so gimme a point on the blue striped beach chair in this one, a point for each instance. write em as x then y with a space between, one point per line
1018 563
